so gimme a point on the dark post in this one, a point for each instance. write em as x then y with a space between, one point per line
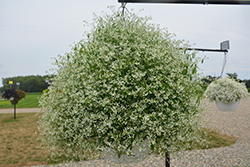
14 108
14 102
167 159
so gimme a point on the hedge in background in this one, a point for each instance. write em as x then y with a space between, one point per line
127 82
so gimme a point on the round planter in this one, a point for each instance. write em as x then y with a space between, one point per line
227 107
139 155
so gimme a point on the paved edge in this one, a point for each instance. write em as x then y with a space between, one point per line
19 110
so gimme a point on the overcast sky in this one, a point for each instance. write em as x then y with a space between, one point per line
32 32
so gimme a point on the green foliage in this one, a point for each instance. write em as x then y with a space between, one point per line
247 82
124 84
11 120
207 80
30 83
232 75
45 92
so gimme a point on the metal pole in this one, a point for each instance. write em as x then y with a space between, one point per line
224 64
14 108
228 2
14 102
207 50
167 159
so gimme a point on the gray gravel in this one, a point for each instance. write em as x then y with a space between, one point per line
232 123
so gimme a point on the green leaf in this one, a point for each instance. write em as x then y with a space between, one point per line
184 72
152 146
193 55
202 61
99 140
194 69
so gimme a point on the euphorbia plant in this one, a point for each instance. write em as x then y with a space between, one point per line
226 90
127 82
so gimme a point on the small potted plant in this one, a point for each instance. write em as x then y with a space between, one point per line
227 93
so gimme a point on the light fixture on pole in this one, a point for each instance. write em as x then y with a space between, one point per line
17 84
10 83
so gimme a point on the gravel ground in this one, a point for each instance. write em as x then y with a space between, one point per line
232 123
19 110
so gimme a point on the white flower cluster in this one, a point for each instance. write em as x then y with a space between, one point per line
226 90
121 86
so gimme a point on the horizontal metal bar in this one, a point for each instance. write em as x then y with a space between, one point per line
225 2
206 50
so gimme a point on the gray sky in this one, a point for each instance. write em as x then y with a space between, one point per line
32 32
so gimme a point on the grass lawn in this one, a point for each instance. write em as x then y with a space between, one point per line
30 101
19 147
18 144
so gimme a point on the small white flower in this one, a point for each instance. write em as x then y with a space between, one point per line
121 85
226 90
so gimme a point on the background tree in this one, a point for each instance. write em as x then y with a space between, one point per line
233 75
247 82
29 83
207 80
1 90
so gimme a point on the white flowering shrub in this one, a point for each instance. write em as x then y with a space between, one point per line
127 82
226 90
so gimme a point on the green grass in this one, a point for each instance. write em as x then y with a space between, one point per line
12 119
216 140
30 101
